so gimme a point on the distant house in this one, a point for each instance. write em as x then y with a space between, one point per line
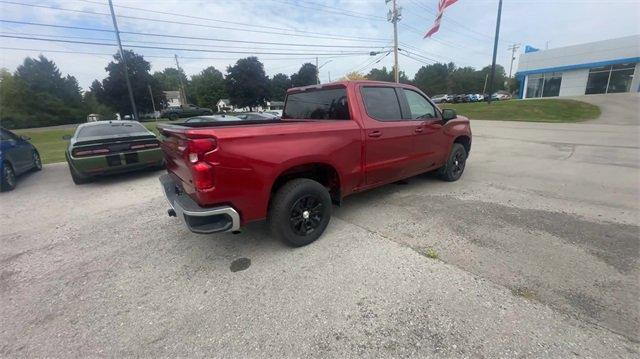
274 105
224 105
173 98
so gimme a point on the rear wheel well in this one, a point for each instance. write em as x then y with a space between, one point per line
322 173
465 141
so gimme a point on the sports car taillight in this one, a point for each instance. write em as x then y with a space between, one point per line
79 152
144 145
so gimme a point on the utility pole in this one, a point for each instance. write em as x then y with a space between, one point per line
153 103
183 92
513 49
484 89
317 72
124 63
394 16
495 51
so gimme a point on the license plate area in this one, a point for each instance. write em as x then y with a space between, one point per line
131 158
114 160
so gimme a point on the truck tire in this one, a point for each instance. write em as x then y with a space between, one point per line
452 170
172 117
300 212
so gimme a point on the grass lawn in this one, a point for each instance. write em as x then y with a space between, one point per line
550 110
51 145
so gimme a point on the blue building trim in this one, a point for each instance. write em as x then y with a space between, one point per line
521 79
578 66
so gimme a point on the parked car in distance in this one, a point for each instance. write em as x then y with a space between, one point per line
17 156
252 116
109 147
443 98
479 97
460 99
500 96
212 118
334 140
277 113
174 113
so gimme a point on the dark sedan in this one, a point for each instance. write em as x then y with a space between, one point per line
17 156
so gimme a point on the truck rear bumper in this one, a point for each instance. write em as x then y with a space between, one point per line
198 219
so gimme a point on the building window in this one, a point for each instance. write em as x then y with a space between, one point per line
544 85
610 79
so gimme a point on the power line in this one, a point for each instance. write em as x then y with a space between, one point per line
169 43
336 12
181 22
226 22
164 35
177 49
169 57
459 24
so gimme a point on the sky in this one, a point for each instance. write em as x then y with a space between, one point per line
340 33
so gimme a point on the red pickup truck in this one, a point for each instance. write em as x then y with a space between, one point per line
333 140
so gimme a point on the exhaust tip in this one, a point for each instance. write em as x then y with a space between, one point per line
171 212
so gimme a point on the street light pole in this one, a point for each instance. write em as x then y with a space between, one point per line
124 63
495 52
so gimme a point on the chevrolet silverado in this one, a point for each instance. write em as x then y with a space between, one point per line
333 140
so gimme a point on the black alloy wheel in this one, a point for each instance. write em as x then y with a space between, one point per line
37 161
306 215
8 181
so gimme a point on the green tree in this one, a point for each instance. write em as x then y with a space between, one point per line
499 80
208 87
169 79
434 79
114 88
354 75
246 83
92 105
307 75
278 86
38 95
384 75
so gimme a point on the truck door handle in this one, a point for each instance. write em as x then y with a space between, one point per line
418 130
375 134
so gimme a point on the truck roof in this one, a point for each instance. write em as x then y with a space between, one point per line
344 83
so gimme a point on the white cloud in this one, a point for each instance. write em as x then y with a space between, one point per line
465 37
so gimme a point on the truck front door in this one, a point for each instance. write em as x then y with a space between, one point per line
429 140
390 153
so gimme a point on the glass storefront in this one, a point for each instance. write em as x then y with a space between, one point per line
544 85
610 79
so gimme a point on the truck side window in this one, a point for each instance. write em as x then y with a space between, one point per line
382 103
419 106
322 104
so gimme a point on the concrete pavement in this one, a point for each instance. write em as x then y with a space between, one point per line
538 257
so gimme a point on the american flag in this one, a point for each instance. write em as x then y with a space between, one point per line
443 4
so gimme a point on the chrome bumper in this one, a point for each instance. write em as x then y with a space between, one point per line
198 219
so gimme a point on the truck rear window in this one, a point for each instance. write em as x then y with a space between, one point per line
322 104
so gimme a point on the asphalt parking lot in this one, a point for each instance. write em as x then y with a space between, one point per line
537 252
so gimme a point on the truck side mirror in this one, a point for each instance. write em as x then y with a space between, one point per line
448 114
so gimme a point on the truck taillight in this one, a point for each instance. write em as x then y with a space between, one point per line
197 147
202 176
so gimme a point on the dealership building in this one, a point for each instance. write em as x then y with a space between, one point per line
601 67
